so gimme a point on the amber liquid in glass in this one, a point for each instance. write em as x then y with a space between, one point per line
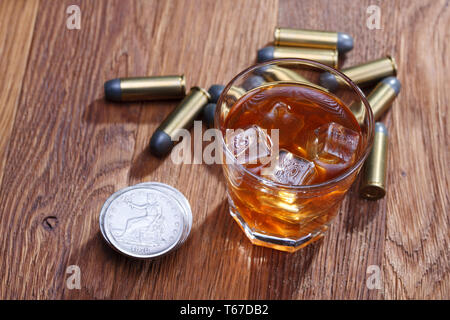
314 126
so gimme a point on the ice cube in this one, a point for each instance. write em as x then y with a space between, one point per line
333 143
280 108
250 146
290 169
281 116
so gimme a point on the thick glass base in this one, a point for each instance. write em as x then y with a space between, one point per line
283 244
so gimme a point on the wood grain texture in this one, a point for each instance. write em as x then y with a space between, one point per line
417 248
405 234
16 25
68 150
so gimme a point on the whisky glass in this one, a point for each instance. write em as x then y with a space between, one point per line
275 215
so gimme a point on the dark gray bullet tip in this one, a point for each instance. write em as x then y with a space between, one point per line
328 81
215 91
253 82
345 42
208 114
261 71
380 127
265 54
394 83
160 143
112 90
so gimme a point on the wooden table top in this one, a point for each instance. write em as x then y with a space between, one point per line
64 150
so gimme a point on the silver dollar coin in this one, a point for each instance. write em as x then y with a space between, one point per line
147 220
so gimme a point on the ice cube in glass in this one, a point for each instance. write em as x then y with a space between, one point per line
333 143
251 146
290 169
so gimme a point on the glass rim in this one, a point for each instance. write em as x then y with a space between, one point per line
331 182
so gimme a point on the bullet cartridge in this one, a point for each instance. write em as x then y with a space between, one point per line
382 96
253 82
233 92
326 56
208 114
145 88
276 73
380 99
162 140
373 184
339 41
362 74
215 91
280 74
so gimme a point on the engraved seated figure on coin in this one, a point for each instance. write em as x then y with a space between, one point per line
147 229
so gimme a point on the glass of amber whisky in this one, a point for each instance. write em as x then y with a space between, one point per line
291 149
